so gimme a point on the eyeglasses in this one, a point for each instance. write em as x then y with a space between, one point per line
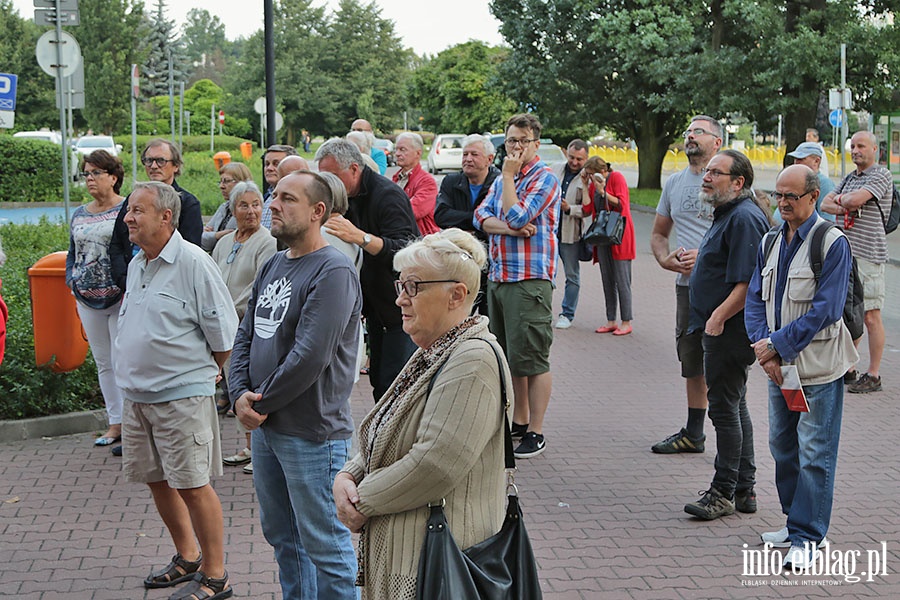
789 197
411 286
234 251
697 132
158 161
512 143
716 173
95 173
224 181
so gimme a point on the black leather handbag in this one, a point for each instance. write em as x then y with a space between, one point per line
501 567
607 229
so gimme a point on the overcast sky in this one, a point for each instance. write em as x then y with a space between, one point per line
427 26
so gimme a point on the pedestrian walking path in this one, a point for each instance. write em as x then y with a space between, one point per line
604 513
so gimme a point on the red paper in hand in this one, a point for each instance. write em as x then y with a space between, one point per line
792 390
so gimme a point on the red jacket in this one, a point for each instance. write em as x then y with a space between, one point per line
618 187
422 191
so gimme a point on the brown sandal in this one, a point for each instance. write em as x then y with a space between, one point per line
175 572
194 590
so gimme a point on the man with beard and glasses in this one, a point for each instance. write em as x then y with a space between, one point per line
725 264
679 207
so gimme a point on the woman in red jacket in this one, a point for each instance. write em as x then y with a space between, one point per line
607 190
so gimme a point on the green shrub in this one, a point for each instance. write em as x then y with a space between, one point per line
30 170
26 389
192 143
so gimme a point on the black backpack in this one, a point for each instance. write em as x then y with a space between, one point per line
854 306
893 218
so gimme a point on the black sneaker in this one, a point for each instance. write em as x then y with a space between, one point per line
865 384
850 376
518 431
532 445
117 450
745 501
679 442
711 505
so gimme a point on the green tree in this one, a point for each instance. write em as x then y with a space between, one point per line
107 60
159 42
458 90
205 45
35 106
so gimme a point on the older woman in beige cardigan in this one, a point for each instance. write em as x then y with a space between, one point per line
418 447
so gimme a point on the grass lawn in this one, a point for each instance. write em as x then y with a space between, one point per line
644 197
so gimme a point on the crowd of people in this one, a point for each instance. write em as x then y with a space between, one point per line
270 300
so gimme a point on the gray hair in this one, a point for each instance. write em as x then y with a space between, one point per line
454 253
338 192
362 141
241 188
715 127
343 152
484 140
414 138
164 198
577 144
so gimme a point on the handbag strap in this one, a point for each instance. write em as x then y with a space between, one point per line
510 459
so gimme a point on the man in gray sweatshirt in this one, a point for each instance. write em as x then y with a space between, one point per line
292 371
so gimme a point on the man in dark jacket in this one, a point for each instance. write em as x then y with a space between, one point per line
380 220
162 161
462 192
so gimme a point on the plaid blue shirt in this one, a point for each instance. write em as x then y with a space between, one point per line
519 258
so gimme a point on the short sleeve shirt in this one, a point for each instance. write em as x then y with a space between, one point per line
866 236
680 202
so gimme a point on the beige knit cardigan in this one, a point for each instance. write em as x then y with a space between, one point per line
447 446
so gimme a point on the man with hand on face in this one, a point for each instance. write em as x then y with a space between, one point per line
795 318
520 216
725 263
292 372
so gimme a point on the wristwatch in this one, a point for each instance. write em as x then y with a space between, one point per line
367 239
770 346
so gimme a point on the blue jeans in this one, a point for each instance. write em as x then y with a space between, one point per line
293 479
726 359
805 449
568 253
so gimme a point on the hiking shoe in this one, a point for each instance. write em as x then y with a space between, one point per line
679 442
850 376
711 505
564 322
865 384
532 445
778 539
745 501
518 431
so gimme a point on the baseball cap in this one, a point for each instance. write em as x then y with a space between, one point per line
807 149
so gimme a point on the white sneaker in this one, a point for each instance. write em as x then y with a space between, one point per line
564 322
248 469
778 539
799 558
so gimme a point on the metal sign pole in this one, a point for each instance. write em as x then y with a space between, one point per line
181 119
212 128
62 113
134 95
843 112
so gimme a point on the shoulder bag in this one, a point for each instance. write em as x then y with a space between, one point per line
608 227
501 567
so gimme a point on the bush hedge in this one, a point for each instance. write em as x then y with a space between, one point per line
28 390
192 143
31 170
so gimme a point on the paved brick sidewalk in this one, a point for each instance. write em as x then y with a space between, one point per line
605 514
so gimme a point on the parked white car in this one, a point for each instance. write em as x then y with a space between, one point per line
446 152
46 136
89 143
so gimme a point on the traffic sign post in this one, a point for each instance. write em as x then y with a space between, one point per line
8 83
135 94
836 117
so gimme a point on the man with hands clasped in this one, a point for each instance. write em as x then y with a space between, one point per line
794 318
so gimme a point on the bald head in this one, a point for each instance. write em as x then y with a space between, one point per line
361 125
289 164
796 191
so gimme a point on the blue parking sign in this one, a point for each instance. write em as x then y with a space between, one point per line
8 91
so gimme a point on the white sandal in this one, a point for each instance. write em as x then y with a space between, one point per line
241 458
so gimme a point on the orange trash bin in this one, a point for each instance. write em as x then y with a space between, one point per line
221 159
59 338
247 150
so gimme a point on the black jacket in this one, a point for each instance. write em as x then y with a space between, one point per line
382 209
121 250
454 207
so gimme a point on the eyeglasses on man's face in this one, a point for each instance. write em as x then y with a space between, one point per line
411 286
227 181
697 132
95 173
716 172
789 197
157 160
513 142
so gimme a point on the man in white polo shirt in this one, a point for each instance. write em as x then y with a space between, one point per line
176 328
